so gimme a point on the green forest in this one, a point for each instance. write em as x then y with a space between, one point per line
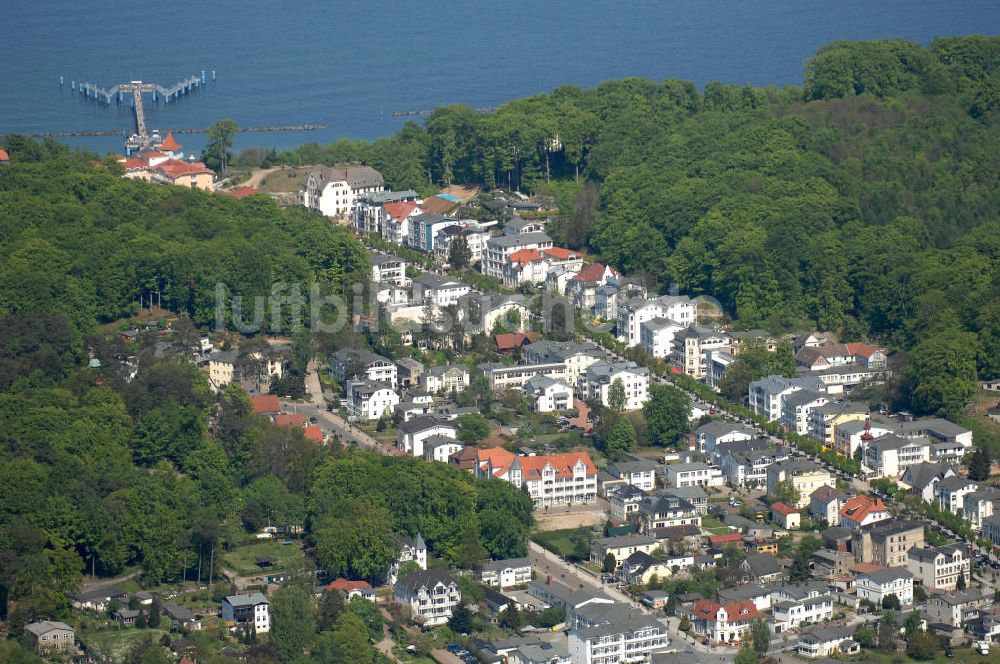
865 202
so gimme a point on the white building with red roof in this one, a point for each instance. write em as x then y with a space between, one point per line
171 147
532 266
583 287
556 479
723 623
861 511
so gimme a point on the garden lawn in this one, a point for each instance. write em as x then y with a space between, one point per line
714 526
116 642
557 541
243 559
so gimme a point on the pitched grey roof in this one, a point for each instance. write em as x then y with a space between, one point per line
955 483
884 576
381 197
802 397
356 175
825 634
519 240
425 578
623 540
246 600
423 423
762 564
891 441
620 468
891 527
743 593
178 613
505 564
382 259
717 428
920 475
826 494
46 626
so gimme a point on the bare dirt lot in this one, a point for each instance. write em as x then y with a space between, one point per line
557 519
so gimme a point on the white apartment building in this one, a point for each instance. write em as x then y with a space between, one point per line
575 356
875 586
656 336
596 383
389 269
333 190
249 610
502 377
367 400
548 395
373 211
890 455
692 343
221 368
430 595
624 641
447 378
439 448
638 310
951 492
797 408
430 288
505 573
424 230
794 604
640 474
410 549
666 511
938 568
711 434
694 474
348 364
555 479
499 249
411 435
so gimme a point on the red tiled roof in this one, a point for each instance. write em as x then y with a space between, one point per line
438 205
400 209
240 192
266 403
135 162
3 155
153 154
291 420
706 609
860 349
715 540
559 253
592 273
170 144
524 256
498 456
859 507
783 508
314 433
175 168
513 340
531 467
346 586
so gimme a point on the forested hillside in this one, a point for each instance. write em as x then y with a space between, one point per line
866 202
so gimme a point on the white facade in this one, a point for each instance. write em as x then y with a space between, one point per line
890 456
630 641
498 249
556 479
250 610
938 568
439 448
796 410
367 400
875 586
506 573
600 376
656 336
548 395
333 190
411 435
694 474
430 595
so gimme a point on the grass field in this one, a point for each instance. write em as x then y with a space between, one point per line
243 560
556 541
117 642
962 656
714 526
285 180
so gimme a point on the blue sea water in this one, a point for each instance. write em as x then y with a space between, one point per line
349 64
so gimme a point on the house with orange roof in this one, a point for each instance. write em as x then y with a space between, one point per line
314 433
861 511
4 157
353 589
171 147
494 462
291 420
382 212
786 516
583 287
266 404
240 192
183 173
556 479
532 265
723 623
720 541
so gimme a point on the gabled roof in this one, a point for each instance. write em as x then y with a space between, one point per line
46 626
500 458
888 575
425 578
591 274
246 600
170 144
783 508
736 611
861 507
347 587
513 340
762 564
314 433
722 540
400 210
423 423
291 420
827 494
532 467
265 403
175 168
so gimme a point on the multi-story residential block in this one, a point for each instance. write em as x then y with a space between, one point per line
794 604
876 586
410 436
555 479
431 596
887 543
368 400
222 368
716 365
747 469
824 420
632 313
759 595
440 448
390 269
396 220
614 292
333 190
434 289
621 547
861 511
841 379
723 623
938 568
475 234
624 501
890 455
979 505
691 345
764 396
504 377
595 383
666 511
628 640
640 569
694 474
849 437
532 266
411 549
251 611
950 493
825 503
990 529
957 608
349 363
796 409
640 474
575 356
656 336
505 573
499 249
805 476
450 378
370 213
709 435
548 395
408 372
424 229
